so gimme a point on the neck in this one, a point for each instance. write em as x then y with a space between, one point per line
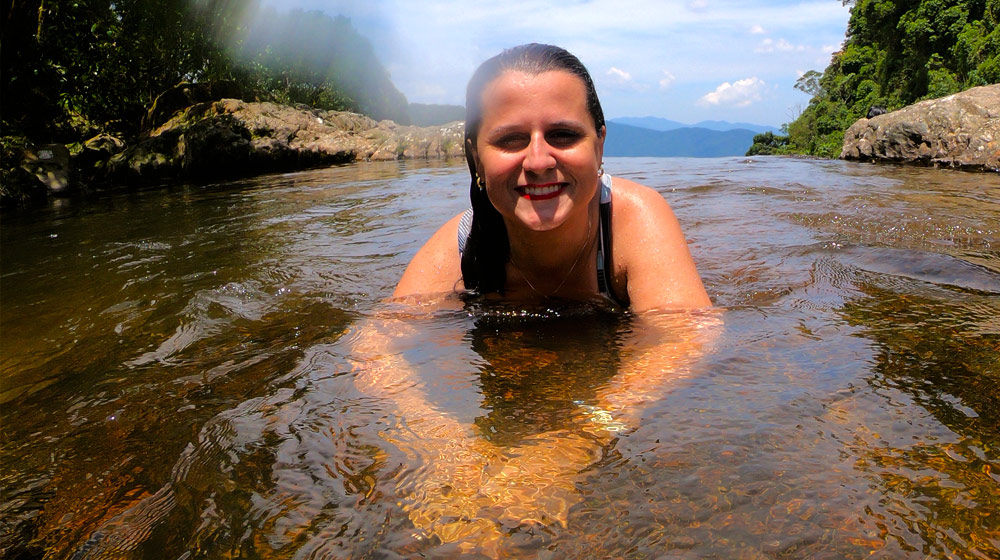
551 262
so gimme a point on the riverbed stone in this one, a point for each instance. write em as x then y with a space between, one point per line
960 130
231 137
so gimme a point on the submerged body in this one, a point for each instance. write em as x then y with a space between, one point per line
538 154
534 144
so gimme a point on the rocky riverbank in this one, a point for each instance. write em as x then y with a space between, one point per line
224 138
960 130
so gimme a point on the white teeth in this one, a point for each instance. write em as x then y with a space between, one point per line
541 191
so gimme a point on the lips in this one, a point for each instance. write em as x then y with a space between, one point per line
541 192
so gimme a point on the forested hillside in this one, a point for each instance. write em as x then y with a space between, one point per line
897 52
72 69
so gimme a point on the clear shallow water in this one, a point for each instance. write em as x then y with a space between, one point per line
207 371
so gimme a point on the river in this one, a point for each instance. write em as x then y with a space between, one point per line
181 365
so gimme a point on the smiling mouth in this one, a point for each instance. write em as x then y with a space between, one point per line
541 192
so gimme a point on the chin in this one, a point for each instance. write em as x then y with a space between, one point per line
537 217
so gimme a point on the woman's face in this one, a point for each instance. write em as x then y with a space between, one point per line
537 148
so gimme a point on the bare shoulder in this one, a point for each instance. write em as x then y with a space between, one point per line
642 214
436 268
634 198
651 251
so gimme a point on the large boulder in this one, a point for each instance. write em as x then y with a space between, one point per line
184 95
91 161
229 138
960 130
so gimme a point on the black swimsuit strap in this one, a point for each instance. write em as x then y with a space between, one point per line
605 274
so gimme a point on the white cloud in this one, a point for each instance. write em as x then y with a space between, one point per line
667 80
740 93
432 47
770 45
623 81
619 76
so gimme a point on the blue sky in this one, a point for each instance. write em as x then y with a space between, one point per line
685 60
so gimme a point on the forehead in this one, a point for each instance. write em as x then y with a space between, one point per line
555 93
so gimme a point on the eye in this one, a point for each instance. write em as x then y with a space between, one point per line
563 137
511 142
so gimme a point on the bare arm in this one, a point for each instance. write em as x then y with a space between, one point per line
537 480
651 252
448 461
457 486
655 359
436 267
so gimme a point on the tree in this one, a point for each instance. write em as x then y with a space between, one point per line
897 53
75 68
768 143
809 83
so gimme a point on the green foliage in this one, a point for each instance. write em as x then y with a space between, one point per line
897 52
809 83
768 143
77 67
73 68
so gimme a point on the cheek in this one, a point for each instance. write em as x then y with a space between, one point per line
499 164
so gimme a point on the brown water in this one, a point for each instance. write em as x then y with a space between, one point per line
209 372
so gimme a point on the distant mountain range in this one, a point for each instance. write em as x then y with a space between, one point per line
633 141
656 123
656 137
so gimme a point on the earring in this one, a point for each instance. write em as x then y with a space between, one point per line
481 182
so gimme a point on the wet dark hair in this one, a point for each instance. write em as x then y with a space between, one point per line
488 248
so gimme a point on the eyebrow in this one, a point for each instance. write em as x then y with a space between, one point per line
504 129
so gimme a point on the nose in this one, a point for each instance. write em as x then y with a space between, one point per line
539 157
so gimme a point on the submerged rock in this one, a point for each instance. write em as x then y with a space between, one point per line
229 137
960 130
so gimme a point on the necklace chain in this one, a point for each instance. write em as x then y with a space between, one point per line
583 249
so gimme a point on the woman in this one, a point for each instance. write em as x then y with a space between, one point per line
542 223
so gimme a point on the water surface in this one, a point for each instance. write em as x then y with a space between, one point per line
188 373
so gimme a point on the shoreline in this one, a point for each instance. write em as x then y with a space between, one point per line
232 139
223 139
